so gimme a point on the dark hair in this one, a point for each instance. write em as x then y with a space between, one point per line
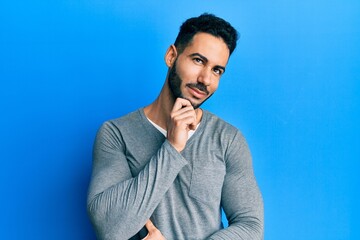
206 23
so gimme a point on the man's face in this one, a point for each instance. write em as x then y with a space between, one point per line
196 72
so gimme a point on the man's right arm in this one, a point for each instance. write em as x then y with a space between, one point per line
118 204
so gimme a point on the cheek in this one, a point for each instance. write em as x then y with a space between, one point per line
213 87
188 72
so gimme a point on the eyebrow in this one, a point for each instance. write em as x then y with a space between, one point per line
206 60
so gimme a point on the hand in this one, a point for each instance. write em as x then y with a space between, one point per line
182 120
154 233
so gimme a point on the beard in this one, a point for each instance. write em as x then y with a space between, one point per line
175 82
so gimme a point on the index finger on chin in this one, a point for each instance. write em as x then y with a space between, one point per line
180 103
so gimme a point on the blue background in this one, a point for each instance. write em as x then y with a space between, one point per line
292 87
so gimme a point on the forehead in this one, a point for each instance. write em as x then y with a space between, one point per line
211 47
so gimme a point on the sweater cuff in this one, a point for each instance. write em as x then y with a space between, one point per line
178 157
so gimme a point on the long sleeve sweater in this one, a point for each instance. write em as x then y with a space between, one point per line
138 175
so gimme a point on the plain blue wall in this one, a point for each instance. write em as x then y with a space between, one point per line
292 87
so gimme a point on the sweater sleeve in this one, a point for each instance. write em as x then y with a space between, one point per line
118 203
241 198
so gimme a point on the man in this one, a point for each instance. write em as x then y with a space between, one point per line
173 162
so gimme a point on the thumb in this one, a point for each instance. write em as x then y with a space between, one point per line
150 226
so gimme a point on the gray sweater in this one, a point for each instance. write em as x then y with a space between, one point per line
138 175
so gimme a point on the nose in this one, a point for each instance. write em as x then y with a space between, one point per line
205 76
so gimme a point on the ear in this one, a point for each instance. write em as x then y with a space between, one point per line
170 56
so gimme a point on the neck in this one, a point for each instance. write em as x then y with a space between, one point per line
159 110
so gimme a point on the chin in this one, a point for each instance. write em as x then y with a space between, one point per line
195 104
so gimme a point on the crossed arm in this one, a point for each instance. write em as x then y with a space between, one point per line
241 198
116 197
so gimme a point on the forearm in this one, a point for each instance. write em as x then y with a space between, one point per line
122 209
245 227
241 197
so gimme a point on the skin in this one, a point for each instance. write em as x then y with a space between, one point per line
154 233
192 78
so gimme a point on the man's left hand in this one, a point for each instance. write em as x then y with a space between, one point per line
154 233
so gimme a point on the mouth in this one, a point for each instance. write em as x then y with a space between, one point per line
198 90
197 93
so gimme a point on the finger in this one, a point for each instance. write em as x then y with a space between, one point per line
180 103
150 226
186 118
184 110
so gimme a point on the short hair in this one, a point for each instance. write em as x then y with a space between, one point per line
206 23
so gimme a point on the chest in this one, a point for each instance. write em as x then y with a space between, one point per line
202 178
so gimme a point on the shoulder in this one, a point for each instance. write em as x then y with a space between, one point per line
128 119
218 125
121 125
132 118
232 141
113 133
228 134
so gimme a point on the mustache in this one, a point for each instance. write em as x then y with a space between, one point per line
199 86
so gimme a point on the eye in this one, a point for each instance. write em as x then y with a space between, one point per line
198 60
217 71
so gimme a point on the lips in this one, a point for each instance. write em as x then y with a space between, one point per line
196 92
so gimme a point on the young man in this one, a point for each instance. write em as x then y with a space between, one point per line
173 162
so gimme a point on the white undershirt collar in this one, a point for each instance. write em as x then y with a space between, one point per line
164 132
